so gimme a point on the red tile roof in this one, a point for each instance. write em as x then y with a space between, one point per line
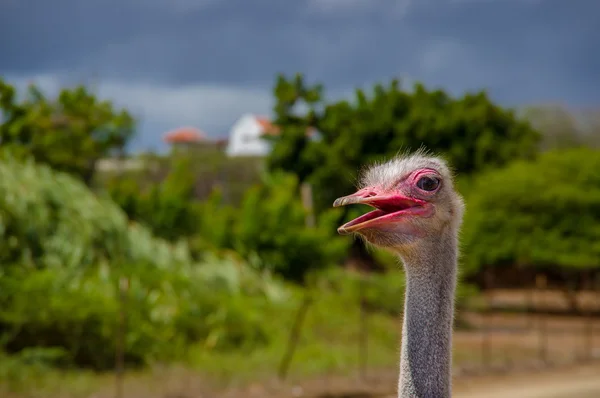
268 127
184 134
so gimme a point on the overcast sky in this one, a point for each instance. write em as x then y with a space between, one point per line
205 62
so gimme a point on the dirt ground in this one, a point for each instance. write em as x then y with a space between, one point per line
569 382
581 381
517 346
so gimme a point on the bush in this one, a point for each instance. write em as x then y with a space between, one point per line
222 305
50 219
271 228
167 208
64 251
543 213
268 229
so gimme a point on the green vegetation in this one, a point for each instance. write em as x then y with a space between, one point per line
216 254
328 343
49 219
69 133
63 258
543 214
471 132
268 228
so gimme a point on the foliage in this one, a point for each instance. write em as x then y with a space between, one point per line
543 213
65 251
166 208
329 344
220 304
70 132
269 229
49 219
472 132
215 224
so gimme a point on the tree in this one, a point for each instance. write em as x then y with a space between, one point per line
69 133
472 132
542 214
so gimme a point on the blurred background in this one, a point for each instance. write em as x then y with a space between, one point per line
167 171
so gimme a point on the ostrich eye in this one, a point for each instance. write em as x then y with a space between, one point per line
428 183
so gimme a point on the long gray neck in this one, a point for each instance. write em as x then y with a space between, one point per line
426 358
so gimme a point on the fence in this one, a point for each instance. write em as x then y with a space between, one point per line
511 330
533 328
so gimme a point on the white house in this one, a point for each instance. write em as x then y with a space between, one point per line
246 136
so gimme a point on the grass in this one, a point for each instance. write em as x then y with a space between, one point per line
20 379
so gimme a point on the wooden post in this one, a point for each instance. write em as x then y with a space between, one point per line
307 202
486 342
529 292
294 337
595 307
363 330
589 324
540 282
121 332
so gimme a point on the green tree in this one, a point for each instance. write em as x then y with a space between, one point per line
70 132
327 143
543 214
472 132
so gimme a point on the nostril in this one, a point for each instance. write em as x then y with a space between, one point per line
370 194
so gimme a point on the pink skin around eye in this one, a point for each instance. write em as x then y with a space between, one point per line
412 180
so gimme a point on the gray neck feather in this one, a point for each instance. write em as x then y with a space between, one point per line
426 358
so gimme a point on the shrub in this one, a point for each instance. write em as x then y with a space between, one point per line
271 228
50 219
222 305
63 252
166 208
543 213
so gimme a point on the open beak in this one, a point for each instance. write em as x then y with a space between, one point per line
389 208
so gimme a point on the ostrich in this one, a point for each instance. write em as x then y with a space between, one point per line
417 216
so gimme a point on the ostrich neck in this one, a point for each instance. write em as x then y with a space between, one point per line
426 358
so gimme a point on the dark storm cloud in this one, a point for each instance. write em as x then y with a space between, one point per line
229 41
524 51
500 44
520 50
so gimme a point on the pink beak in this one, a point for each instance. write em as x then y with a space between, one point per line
361 196
389 208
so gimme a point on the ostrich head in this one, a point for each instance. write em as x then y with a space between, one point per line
413 199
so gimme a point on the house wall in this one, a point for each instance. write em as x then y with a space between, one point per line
113 164
245 138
